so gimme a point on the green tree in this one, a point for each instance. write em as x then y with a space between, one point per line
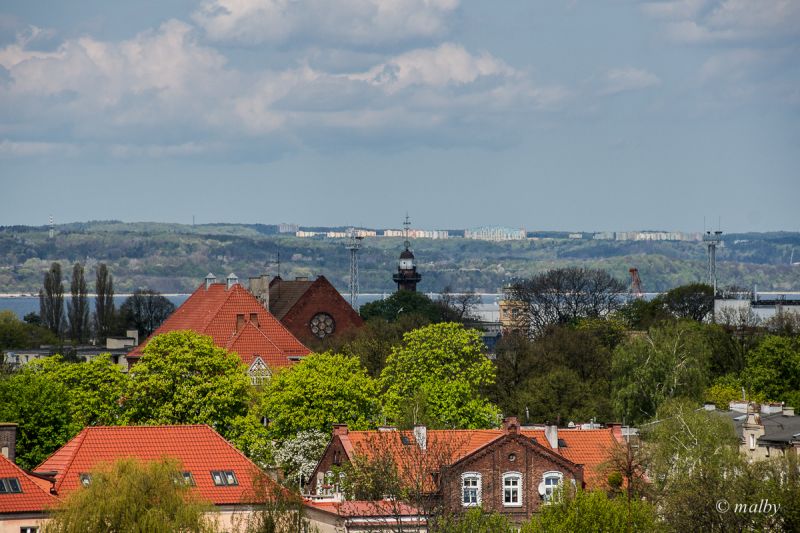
594 511
94 389
135 497
773 369
321 390
78 306
104 302
670 361
51 300
641 314
144 310
15 333
183 378
692 302
443 364
473 521
403 303
40 407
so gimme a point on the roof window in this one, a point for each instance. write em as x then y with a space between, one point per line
224 478
10 485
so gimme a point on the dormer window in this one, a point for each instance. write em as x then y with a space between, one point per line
10 485
259 372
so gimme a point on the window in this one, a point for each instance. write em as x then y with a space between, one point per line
752 441
29 529
9 485
512 493
223 478
550 483
470 489
85 479
187 479
322 325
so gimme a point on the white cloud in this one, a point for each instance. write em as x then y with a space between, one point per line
341 22
628 79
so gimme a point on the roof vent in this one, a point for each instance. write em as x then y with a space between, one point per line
231 280
211 278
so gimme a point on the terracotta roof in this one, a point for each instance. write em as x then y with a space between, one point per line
284 294
362 508
198 448
589 447
213 311
33 498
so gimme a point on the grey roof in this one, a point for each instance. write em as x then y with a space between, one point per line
778 428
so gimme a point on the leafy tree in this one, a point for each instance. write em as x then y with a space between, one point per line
282 511
564 295
130 496
474 521
458 307
692 302
93 389
670 361
17 334
403 303
145 310
299 456
33 319
321 390
516 360
104 302
773 369
40 407
183 378
78 306
446 364
594 511
559 396
51 300
641 314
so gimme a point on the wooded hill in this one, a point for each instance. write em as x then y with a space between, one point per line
175 257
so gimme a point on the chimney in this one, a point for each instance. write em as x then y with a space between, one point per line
210 278
8 440
616 430
254 319
133 334
511 425
239 322
421 434
259 287
551 434
340 429
231 280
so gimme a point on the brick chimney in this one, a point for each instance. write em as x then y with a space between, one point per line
239 322
340 429
421 434
616 430
511 425
8 440
551 434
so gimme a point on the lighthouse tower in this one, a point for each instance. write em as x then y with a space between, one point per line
407 276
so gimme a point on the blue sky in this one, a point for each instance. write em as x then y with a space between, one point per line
578 115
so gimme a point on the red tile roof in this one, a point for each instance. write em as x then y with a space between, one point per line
33 498
362 508
213 311
589 447
198 448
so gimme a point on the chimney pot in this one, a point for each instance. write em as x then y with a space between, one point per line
210 278
511 424
231 280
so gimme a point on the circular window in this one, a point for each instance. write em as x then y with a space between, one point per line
322 325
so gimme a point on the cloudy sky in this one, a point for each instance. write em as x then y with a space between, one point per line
579 115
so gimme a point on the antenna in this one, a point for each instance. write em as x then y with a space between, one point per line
712 240
354 245
406 226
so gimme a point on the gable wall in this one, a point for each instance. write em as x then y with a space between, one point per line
321 297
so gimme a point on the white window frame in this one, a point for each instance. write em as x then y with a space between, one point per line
549 490
478 487
518 488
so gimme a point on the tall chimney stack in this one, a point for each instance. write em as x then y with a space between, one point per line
8 440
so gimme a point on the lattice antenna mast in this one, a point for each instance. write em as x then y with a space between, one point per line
354 245
406 227
712 240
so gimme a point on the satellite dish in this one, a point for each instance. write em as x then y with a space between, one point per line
542 489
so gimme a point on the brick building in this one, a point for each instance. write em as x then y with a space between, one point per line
238 322
311 310
512 470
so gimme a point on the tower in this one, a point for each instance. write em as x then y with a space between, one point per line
712 240
407 276
636 283
354 245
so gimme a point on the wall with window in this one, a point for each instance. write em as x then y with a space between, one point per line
513 476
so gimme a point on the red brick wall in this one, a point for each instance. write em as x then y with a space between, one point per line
321 297
334 453
529 460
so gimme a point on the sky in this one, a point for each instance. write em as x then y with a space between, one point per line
590 115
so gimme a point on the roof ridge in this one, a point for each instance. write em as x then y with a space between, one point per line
82 436
212 316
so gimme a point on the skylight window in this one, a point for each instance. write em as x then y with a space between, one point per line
224 478
85 479
10 485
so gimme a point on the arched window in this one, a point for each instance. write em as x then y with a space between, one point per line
512 489
549 485
470 489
